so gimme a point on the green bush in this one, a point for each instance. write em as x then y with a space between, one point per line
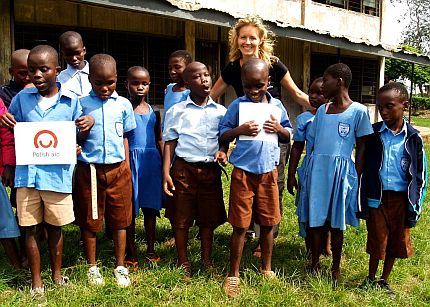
420 102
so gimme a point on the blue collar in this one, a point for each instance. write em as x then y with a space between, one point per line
73 71
246 98
210 102
385 127
61 92
114 95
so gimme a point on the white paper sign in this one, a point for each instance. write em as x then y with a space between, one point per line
259 112
43 143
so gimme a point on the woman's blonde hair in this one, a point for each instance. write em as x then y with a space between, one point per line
267 38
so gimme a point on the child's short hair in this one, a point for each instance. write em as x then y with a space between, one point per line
70 36
317 79
396 86
45 49
340 70
254 64
182 54
136 68
102 59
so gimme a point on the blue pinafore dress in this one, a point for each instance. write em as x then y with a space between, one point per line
145 163
331 178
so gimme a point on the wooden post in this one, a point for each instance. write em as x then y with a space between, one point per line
306 66
6 35
190 38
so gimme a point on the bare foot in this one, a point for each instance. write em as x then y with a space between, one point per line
256 252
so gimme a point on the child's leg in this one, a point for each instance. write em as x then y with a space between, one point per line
373 267
181 241
131 252
388 267
150 221
326 248
336 249
206 235
236 249
89 238
32 244
266 239
11 251
55 246
119 239
314 235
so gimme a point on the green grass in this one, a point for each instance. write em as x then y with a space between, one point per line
163 284
420 121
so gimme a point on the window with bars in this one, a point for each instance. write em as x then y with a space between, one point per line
370 7
364 74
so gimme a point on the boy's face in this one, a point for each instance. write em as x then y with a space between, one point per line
255 83
103 81
138 83
176 68
199 81
74 53
43 70
19 71
330 86
391 107
316 96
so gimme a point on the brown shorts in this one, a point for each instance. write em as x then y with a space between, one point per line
386 231
114 193
254 195
198 195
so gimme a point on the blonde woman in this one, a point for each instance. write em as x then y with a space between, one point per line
249 38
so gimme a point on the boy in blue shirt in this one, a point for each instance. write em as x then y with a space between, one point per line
75 76
44 191
103 176
393 184
253 189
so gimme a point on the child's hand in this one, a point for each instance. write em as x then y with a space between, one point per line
291 184
8 177
168 185
272 125
249 128
84 123
7 120
221 158
78 150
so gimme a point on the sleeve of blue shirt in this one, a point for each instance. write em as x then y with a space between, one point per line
171 122
78 108
15 108
285 122
364 127
129 122
230 119
300 132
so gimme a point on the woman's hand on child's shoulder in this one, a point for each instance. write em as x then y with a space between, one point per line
7 120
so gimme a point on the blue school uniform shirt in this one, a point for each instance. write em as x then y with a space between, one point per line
395 164
76 80
253 156
113 117
25 108
302 132
196 129
171 98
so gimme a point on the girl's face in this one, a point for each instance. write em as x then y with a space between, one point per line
138 82
176 68
249 41
316 96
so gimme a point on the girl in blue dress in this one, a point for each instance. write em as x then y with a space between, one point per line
332 176
145 148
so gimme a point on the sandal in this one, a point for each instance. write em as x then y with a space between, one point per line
152 257
131 265
231 286
63 281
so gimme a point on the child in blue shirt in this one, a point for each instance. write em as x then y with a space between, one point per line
393 184
194 179
75 76
253 190
44 191
145 145
176 91
102 175
302 135
332 176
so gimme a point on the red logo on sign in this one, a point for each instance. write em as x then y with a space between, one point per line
52 143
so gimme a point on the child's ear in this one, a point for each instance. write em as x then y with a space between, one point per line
268 80
405 105
57 70
126 84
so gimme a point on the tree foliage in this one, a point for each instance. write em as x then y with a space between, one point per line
417 32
